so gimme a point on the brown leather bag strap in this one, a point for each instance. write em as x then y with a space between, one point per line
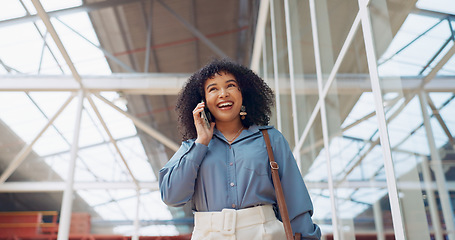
278 189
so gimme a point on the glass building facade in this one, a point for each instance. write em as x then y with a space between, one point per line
365 98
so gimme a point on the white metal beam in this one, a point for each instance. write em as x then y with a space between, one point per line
170 84
431 199
444 197
105 52
331 78
275 66
68 193
22 187
112 140
16 162
381 184
378 220
50 28
438 116
397 216
45 45
259 35
146 128
292 74
321 103
67 11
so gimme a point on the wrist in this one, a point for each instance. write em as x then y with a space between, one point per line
203 141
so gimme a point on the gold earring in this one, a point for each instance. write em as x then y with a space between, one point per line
243 112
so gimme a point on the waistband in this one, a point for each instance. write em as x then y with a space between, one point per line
228 220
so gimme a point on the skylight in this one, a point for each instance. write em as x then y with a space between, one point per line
443 6
28 113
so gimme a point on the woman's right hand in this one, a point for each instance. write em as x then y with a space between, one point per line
204 134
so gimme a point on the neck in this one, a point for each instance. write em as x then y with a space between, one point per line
228 128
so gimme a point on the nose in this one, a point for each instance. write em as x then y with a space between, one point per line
224 92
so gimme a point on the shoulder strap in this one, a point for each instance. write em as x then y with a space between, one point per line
278 189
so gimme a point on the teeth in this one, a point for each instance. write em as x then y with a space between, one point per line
225 104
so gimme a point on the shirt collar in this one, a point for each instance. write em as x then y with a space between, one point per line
253 129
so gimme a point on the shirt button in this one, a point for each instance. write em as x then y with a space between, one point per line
232 184
233 205
230 164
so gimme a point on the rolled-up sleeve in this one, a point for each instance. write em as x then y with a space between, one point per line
177 178
299 205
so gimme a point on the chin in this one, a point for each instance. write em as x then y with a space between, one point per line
226 119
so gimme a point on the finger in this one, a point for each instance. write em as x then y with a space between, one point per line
199 106
197 111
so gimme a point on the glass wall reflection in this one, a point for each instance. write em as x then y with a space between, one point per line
355 143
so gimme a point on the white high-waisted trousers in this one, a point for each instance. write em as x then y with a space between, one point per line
256 223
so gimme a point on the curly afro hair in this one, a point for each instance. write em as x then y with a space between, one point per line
258 98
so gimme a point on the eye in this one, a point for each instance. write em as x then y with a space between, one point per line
212 89
232 85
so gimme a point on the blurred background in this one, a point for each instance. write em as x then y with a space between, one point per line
364 95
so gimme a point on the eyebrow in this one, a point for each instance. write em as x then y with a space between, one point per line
210 85
230 80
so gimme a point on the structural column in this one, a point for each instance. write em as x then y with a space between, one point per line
447 209
434 212
67 201
378 222
325 132
136 218
398 223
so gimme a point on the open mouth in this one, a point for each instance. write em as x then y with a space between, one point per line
225 105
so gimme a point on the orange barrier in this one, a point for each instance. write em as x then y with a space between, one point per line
27 223
43 226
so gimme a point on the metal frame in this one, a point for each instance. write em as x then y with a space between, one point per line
378 220
105 52
45 45
31 187
397 216
329 82
259 35
447 209
87 85
434 211
50 28
275 65
61 12
113 141
152 132
68 190
28 148
363 18
125 38
170 84
194 31
67 201
325 131
149 41
440 120
291 71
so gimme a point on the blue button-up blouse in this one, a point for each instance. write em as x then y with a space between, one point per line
237 175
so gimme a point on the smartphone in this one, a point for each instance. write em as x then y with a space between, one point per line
207 116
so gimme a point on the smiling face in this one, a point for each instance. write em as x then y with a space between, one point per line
223 97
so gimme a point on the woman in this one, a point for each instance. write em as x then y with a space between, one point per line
222 169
